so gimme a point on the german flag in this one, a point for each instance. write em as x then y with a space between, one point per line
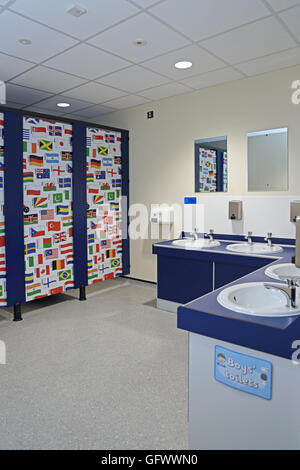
58 264
96 164
36 160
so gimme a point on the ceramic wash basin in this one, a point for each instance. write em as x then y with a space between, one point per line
199 244
254 249
283 271
254 299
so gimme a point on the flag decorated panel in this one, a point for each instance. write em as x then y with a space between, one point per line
48 214
225 172
3 294
208 170
104 188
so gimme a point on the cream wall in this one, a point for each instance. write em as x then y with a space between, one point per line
162 152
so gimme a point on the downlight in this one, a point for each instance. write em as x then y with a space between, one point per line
184 64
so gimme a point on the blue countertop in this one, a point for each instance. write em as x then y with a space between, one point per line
207 317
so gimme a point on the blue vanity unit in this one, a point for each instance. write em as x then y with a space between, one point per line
243 384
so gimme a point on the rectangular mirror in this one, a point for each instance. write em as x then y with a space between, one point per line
211 165
268 160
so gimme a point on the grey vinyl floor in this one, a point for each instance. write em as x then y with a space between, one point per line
109 373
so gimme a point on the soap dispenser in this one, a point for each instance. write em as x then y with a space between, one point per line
236 210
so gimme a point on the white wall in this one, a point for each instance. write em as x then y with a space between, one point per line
162 154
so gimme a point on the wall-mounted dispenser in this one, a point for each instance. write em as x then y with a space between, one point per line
235 210
295 210
162 215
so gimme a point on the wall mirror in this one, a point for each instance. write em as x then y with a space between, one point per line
211 165
268 160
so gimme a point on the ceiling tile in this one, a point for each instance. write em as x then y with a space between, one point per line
87 62
10 67
127 102
248 42
279 5
292 19
95 93
43 110
45 42
272 62
217 77
119 39
199 19
134 79
47 79
165 91
92 112
10 104
100 14
24 95
202 62
3 2
51 104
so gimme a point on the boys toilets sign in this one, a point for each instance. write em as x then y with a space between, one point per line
244 373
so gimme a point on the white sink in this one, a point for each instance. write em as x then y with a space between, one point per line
280 271
255 248
254 299
197 244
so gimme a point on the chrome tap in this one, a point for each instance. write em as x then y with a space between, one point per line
249 238
290 291
210 235
268 239
195 234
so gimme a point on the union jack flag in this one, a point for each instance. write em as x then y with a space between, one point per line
60 237
55 131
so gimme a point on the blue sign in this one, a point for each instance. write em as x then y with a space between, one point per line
190 200
244 373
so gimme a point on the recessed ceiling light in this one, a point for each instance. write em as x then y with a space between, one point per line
77 11
25 42
140 42
63 105
185 64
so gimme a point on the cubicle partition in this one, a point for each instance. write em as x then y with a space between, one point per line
64 206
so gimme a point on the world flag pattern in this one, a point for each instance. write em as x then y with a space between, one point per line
208 170
104 192
3 292
48 214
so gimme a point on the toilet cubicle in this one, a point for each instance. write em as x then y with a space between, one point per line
64 189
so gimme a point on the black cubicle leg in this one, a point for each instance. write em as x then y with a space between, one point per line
82 293
17 312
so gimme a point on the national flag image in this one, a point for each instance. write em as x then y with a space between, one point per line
31 219
103 151
26 134
69 285
109 138
1 182
105 187
67 221
52 158
2 228
118 160
91 238
111 196
66 249
92 274
66 156
37 233
43 271
90 264
46 145
55 131
68 132
58 264
96 164
41 202
91 214
95 226
64 275
69 169
28 177
109 276
98 199
110 254
39 130
60 237
29 278
54 226
100 175
33 192
47 242
57 290
47 214
93 190
30 248
116 263
90 177
57 198
31 120
35 160
43 174
51 254
105 244
62 210
65 182
48 187
1 151
33 290
116 183
107 161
